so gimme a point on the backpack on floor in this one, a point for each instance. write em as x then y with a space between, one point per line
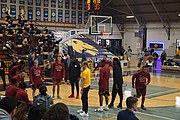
42 100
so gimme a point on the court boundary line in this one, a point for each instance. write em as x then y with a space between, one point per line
157 116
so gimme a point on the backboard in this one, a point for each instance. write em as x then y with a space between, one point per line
99 25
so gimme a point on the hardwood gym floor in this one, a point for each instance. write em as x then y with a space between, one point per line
162 95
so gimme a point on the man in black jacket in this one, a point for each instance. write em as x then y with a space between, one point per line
2 73
117 83
74 75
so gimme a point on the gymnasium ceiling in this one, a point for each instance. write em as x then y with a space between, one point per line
145 11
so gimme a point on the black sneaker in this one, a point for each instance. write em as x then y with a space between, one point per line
142 107
111 106
119 106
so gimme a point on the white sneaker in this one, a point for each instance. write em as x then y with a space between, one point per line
79 111
98 110
106 108
83 114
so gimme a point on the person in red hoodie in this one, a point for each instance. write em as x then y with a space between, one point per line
140 80
21 94
104 85
20 77
58 74
16 69
12 88
36 76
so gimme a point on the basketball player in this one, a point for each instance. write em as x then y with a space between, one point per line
140 80
104 85
58 74
107 62
36 76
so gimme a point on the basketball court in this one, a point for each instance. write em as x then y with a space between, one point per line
162 101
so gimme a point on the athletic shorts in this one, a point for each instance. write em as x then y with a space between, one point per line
56 81
141 92
103 91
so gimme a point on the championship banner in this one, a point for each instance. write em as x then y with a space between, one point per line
45 14
3 0
79 4
38 13
73 4
30 2
60 15
3 10
67 16
38 2
12 1
60 3
46 3
73 17
53 15
13 11
53 3
67 4
85 6
80 17
85 17
21 2
30 13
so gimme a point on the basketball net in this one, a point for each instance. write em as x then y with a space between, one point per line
105 35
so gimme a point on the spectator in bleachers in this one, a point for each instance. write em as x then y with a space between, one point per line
40 59
21 112
140 57
122 50
163 57
7 108
14 63
128 54
36 77
36 112
2 73
21 94
12 88
58 111
31 58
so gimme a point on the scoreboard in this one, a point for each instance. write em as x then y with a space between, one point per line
94 5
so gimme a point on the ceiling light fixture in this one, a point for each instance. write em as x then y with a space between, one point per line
179 14
130 16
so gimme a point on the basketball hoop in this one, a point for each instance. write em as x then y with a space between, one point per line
105 35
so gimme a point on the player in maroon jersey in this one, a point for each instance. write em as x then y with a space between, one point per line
107 62
140 80
104 85
58 74
16 69
36 76
20 77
